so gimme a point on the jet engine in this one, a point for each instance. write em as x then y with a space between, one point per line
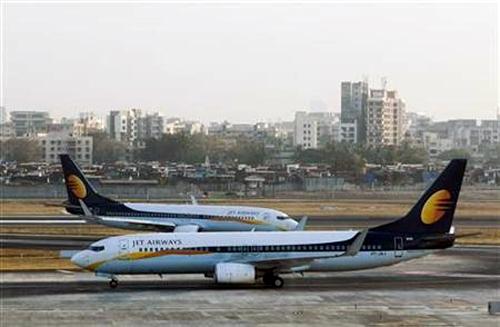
234 273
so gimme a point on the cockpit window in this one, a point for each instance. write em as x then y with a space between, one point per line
96 248
281 217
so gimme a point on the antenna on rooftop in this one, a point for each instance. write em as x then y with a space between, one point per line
383 82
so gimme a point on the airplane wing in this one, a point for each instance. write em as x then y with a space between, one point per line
303 261
164 226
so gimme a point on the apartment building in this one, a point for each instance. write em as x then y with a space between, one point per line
29 122
354 103
55 143
385 120
315 129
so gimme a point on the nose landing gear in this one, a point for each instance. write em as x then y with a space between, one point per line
113 283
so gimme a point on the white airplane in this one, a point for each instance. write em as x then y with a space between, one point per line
246 256
167 217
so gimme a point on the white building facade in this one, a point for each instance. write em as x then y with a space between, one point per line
55 143
313 130
385 123
124 125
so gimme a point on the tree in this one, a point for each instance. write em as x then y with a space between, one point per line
454 154
411 155
106 149
179 147
341 156
492 156
248 152
21 150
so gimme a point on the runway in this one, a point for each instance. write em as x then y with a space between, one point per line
74 242
450 287
47 242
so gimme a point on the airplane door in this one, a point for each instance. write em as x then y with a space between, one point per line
123 263
398 247
123 246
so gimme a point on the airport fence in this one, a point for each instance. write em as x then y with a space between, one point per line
321 190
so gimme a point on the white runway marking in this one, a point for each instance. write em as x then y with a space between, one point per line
445 274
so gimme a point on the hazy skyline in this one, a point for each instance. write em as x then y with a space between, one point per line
247 62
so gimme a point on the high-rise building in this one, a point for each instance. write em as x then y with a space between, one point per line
88 122
3 115
7 131
348 132
385 118
354 101
124 125
151 126
315 129
58 142
177 125
30 122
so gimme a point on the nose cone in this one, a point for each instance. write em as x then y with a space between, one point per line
78 259
292 224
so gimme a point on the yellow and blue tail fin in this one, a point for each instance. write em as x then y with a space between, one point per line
434 211
79 188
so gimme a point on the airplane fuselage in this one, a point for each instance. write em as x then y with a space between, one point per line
206 217
199 253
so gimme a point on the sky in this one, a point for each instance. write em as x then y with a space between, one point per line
247 62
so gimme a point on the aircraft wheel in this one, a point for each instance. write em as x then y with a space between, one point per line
113 283
268 280
278 282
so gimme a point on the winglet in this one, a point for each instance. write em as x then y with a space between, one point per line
302 224
356 245
193 200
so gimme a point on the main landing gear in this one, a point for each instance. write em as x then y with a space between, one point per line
113 283
273 281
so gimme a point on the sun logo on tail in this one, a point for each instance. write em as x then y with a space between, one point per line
76 186
436 206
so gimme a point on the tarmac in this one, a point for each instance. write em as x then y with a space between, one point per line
448 288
